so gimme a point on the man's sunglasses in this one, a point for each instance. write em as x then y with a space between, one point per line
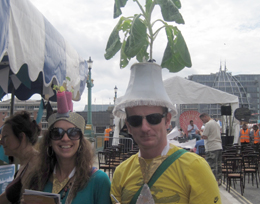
58 133
152 119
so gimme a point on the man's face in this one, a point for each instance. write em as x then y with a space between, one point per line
191 123
204 119
149 136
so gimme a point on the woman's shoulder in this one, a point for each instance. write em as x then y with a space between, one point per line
99 179
99 174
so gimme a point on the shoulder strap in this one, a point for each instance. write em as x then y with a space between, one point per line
23 171
159 171
94 169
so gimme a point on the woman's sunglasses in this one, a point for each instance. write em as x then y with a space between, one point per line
152 119
58 133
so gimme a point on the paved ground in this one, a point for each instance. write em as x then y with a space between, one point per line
251 193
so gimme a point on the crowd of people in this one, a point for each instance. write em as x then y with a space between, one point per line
249 135
63 163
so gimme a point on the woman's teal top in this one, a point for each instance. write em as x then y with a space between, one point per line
97 191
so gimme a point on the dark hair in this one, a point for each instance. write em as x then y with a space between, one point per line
165 110
191 121
21 122
203 115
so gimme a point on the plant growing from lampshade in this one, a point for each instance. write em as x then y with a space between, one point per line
139 36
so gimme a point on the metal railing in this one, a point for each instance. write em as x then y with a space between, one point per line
100 143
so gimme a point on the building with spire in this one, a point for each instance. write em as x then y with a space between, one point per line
245 86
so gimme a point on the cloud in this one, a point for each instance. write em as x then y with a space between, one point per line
215 31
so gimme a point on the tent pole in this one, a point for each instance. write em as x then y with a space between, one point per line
177 122
12 102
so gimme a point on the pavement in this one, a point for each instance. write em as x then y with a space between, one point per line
226 197
251 194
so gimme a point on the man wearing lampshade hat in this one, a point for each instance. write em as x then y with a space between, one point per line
160 172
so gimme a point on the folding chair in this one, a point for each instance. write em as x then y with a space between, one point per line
234 171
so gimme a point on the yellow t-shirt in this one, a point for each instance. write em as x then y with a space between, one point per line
188 180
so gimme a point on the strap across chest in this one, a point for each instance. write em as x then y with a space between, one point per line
165 164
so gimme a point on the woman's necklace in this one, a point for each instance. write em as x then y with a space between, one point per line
64 185
66 188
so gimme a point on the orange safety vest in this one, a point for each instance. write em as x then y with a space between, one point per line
107 131
256 137
244 138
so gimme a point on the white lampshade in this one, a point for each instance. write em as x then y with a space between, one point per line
145 87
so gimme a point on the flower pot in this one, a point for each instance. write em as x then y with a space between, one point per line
62 101
69 100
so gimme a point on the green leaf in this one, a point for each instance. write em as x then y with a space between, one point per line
170 11
149 6
137 37
126 25
169 60
117 7
143 54
177 3
114 44
176 55
182 53
124 60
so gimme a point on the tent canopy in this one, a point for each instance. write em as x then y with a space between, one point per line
34 56
184 91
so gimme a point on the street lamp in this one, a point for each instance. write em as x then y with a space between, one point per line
89 129
115 89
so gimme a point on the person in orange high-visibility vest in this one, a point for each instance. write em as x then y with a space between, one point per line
256 134
244 135
106 139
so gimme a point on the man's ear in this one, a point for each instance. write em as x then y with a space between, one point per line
168 119
128 127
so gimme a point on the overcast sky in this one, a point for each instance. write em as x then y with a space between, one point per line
215 30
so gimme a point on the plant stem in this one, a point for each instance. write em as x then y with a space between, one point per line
157 31
147 17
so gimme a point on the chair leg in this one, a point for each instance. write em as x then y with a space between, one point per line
234 183
256 180
244 180
229 184
242 186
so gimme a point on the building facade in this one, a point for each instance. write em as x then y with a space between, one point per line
245 86
102 117
31 106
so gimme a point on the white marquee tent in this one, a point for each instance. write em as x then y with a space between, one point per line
184 91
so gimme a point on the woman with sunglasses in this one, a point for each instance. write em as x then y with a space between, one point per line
19 135
66 163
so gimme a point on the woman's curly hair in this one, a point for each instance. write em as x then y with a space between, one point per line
47 161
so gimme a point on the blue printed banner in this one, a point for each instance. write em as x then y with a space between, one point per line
6 176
